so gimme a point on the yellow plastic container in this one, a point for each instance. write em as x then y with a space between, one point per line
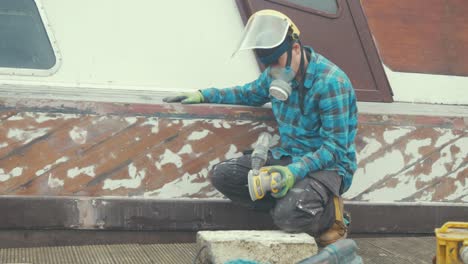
452 238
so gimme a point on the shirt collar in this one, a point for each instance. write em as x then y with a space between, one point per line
310 72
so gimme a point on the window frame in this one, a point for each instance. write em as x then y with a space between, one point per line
312 10
53 42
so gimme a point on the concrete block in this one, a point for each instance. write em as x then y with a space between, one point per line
275 247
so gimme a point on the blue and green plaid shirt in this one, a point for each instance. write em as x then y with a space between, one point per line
322 138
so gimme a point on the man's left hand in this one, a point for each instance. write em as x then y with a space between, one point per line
282 180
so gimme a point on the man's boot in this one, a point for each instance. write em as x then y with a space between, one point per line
339 229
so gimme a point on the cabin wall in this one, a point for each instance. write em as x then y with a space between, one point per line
144 45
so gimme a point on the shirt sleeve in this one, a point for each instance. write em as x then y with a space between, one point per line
254 93
334 103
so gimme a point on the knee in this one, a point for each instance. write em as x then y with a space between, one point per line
299 211
286 216
218 175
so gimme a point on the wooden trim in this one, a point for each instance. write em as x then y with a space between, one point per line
370 50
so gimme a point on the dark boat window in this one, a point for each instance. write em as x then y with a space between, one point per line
23 38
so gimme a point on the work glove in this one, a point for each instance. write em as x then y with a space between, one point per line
282 180
185 98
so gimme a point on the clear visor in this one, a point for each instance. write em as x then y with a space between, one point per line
263 32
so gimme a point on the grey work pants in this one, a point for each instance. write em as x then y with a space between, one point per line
307 207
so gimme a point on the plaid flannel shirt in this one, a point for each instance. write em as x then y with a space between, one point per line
322 138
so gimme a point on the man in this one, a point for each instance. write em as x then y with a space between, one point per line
314 104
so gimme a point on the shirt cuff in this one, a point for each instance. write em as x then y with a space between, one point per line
298 169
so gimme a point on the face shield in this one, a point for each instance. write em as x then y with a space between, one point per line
263 32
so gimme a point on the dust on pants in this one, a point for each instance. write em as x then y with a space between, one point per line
307 207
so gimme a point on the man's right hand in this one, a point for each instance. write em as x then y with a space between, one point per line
185 98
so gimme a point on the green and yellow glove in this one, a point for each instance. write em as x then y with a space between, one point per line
185 98
282 180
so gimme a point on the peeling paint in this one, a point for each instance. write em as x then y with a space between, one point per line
26 136
16 117
169 157
197 135
461 188
232 152
413 146
131 120
446 136
72 173
136 177
374 171
44 117
216 123
186 149
371 147
18 171
183 186
54 182
154 122
3 145
188 122
390 136
78 135
242 122
48 167
212 163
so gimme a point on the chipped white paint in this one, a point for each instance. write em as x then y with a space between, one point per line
242 122
374 171
4 176
371 147
188 122
3 145
137 138
218 123
446 136
26 136
413 146
16 117
212 163
407 180
149 156
197 135
391 135
461 191
100 119
262 125
44 117
169 157
136 177
48 167
54 182
131 120
186 149
459 157
72 173
183 186
78 135
154 122
232 152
